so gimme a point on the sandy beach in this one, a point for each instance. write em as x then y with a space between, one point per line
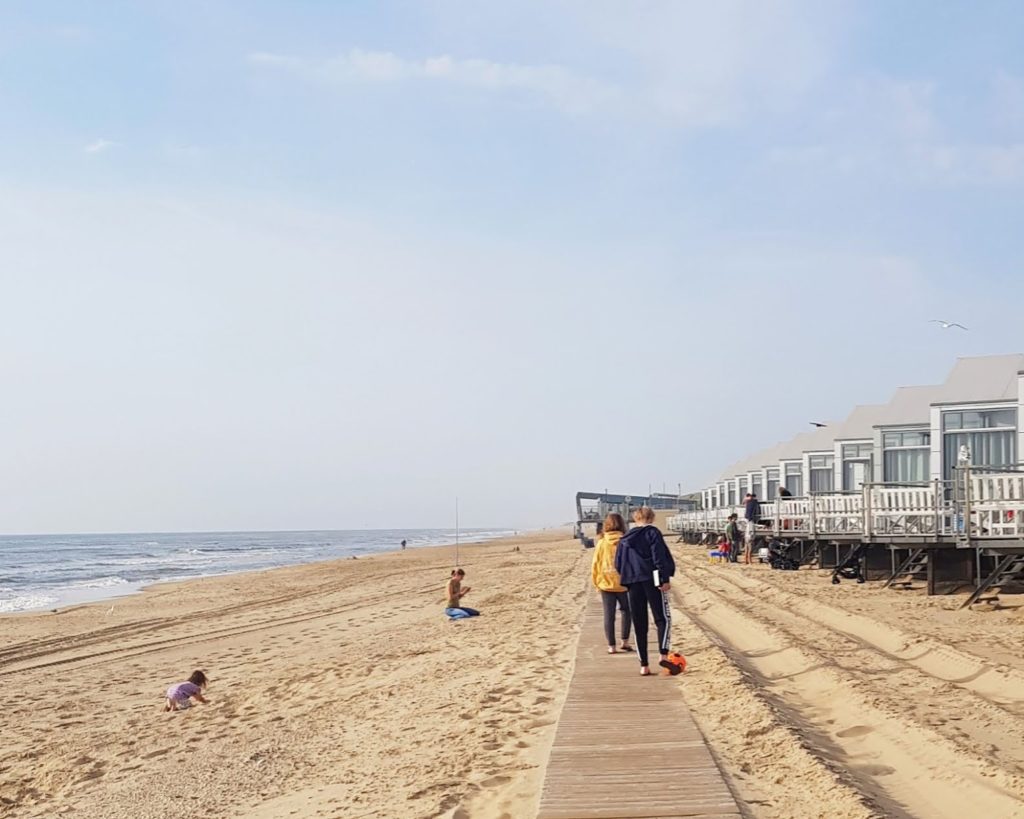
339 690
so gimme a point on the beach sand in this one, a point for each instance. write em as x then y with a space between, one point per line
339 690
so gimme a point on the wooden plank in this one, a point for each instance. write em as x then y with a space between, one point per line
626 746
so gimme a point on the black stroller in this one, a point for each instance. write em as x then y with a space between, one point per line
779 557
850 569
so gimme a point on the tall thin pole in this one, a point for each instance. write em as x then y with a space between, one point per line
456 530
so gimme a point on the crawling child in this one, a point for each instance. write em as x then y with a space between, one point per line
180 695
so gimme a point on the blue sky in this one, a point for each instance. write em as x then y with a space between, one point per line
326 264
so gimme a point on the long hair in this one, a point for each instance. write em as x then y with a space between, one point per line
614 523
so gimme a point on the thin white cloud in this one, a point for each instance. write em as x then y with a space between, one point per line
73 33
99 145
552 83
680 64
886 127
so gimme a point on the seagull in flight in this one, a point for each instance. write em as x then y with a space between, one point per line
946 324
816 424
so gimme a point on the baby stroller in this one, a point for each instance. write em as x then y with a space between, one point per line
778 557
850 569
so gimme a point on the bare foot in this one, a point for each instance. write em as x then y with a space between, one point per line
611 649
645 671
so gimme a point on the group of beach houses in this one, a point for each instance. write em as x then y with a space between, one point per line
932 478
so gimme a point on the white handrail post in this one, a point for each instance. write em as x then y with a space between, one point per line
866 503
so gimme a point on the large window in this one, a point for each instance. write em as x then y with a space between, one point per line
906 456
822 467
742 489
991 436
755 484
795 479
856 465
773 484
731 490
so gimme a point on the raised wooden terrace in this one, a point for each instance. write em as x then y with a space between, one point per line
626 745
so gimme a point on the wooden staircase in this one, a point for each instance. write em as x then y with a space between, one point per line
914 568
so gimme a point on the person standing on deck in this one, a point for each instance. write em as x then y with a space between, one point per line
752 514
645 568
606 579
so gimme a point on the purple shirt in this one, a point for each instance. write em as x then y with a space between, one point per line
182 691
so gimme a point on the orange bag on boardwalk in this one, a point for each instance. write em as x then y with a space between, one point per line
674 663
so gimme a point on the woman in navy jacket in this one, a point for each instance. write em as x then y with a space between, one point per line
641 559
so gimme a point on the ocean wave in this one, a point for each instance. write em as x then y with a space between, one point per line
101 583
24 602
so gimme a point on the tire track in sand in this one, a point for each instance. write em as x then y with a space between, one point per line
845 713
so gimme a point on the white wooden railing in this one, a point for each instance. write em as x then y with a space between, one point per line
992 502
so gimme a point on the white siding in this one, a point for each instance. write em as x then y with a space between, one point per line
1020 417
935 456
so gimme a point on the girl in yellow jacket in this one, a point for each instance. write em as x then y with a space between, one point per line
606 579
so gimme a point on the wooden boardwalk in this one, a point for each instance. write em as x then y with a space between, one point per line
626 745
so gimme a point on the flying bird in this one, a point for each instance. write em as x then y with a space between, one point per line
816 424
946 324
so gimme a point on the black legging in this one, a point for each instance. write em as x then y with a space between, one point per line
610 599
640 596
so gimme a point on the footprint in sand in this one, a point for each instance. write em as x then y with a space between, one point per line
495 781
855 731
875 770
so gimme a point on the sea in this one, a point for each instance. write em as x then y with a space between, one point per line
53 571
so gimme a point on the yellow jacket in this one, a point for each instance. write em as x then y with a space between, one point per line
602 569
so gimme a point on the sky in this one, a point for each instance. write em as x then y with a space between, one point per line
322 264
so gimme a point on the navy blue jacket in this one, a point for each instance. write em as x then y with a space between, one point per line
752 510
640 552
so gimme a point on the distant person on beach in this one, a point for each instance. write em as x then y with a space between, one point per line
606 578
751 514
403 545
645 568
180 696
454 608
734 536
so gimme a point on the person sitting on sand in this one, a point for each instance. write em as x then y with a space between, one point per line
645 568
180 696
723 548
613 593
454 609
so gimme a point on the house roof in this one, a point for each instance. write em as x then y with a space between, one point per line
981 379
860 423
909 405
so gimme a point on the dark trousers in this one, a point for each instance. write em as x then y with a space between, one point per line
642 595
610 600
734 550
